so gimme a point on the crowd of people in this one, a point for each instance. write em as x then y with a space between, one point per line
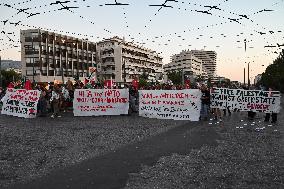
56 98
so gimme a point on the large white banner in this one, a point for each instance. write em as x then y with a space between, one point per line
170 104
20 103
96 102
246 100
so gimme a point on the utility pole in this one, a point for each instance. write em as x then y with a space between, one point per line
244 76
33 59
60 58
0 73
182 77
124 72
248 76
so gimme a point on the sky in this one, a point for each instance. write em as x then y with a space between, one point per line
218 25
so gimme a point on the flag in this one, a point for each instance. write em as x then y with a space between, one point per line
108 83
28 85
187 84
135 83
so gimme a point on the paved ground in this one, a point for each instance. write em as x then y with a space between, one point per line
112 169
187 139
31 148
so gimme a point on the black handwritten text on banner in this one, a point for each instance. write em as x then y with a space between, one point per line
246 100
170 104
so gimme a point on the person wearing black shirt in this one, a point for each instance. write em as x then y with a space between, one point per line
205 101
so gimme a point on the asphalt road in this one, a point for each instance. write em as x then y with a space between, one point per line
112 170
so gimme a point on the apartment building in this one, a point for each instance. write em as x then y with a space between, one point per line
124 61
48 56
208 61
186 62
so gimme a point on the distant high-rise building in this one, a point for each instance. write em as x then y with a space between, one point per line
186 62
10 64
124 61
48 56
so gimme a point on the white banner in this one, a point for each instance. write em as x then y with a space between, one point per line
96 102
246 100
20 103
170 104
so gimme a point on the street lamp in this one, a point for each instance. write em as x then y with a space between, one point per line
248 76
124 71
33 59
60 59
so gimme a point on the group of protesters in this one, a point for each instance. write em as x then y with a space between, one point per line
219 113
56 98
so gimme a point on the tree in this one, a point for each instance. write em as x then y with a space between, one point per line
273 75
144 76
175 77
142 82
9 76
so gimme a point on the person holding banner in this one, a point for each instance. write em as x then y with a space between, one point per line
205 102
55 100
273 115
65 98
42 104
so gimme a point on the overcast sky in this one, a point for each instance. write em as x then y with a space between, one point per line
169 30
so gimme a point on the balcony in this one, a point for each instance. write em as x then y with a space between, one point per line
107 55
108 63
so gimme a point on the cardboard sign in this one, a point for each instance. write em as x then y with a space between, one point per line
246 100
170 104
96 102
20 103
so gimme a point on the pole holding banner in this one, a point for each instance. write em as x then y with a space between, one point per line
0 73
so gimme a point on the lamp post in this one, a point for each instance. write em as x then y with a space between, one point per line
124 71
60 59
248 76
33 59
244 76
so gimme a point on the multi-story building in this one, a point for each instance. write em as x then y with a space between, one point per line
48 56
208 60
185 62
123 61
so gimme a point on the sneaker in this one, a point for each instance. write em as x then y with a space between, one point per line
52 116
59 116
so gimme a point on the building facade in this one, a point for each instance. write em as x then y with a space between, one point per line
124 61
208 61
48 56
185 62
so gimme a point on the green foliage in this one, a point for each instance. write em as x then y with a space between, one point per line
144 76
142 82
274 74
9 76
175 77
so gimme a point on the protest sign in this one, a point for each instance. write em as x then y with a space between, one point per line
246 100
20 103
96 102
170 104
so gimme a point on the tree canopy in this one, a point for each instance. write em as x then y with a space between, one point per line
274 74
